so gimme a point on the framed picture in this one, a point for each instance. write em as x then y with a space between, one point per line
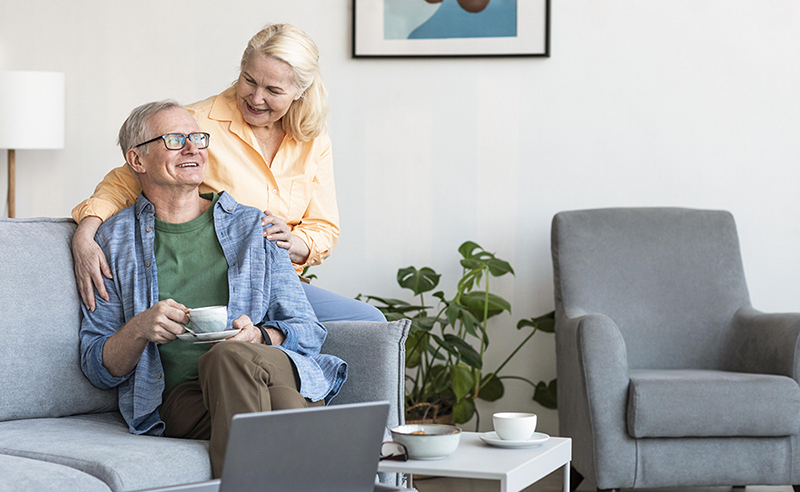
425 28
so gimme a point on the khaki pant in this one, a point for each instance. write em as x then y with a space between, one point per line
234 377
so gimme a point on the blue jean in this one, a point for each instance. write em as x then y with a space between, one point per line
334 307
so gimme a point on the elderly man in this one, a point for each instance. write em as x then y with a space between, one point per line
176 248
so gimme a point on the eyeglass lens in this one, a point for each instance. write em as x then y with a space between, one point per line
176 141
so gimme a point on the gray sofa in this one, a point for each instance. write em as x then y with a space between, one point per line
667 376
59 433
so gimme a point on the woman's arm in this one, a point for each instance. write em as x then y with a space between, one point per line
315 236
119 189
89 262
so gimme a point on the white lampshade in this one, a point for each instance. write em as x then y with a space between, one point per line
31 110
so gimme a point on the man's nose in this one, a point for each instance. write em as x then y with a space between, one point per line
189 147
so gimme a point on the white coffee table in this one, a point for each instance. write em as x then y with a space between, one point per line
515 468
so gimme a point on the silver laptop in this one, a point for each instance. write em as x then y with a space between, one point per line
325 449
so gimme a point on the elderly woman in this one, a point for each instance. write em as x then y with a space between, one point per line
271 151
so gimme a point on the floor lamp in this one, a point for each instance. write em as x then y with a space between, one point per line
31 117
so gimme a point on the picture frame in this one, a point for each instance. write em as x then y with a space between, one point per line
450 28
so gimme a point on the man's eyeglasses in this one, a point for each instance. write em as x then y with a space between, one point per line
393 451
176 141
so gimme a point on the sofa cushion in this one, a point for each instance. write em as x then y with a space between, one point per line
100 445
705 403
40 373
26 475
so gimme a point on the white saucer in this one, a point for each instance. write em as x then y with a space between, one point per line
492 439
208 337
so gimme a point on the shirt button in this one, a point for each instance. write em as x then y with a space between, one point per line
158 376
147 264
274 191
148 229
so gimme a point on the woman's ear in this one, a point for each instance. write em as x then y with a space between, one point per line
134 160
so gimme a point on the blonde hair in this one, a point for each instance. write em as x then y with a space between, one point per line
305 118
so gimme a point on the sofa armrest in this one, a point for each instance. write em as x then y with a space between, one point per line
765 343
375 356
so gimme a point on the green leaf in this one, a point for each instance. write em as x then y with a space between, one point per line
467 249
545 323
492 388
470 322
463 410
461 380
471 264
498 267
463 351
408 311
476 301
389 302
546 395
452 313
416 345
418 281
425 323
393 316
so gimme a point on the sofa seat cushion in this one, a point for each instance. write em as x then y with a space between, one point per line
705 403
101 446
25 475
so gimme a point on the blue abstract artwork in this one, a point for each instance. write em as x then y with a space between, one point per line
449 19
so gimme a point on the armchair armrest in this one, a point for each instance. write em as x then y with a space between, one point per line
593 398
765 343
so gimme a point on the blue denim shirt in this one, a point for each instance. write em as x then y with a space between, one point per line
263 285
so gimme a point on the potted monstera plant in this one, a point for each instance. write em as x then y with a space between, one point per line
448 338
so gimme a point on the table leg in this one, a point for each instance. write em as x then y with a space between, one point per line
566 476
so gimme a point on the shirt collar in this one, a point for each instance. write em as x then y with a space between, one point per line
143 205
225 203
224 109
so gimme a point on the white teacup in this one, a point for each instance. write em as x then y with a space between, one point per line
514 426
209 319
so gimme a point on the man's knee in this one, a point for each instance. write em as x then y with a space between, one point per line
224 354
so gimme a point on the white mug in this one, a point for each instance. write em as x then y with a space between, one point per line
209 319
514 426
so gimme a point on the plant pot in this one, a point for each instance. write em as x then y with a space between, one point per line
439 419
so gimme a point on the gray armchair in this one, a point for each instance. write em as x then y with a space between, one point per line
666 375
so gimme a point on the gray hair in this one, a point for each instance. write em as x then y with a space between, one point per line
135 131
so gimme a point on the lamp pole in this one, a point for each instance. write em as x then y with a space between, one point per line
12 172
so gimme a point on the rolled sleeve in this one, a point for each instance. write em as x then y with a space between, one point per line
93 339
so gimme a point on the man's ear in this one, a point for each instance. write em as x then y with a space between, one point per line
134 160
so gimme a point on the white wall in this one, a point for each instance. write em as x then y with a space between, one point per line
666 102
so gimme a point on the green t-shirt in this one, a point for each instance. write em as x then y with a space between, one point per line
193 271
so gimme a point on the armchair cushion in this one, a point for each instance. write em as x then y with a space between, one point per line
706 403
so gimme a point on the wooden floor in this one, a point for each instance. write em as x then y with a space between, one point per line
554 483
